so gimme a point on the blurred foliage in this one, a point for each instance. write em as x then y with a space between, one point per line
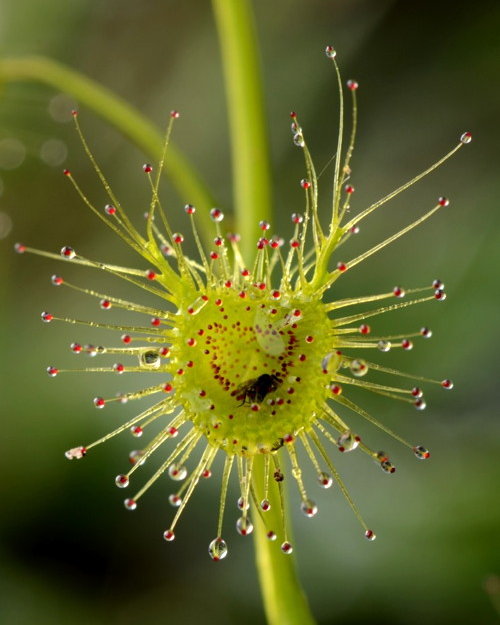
69 551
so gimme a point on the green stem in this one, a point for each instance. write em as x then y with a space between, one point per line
249 142
284 600
120 114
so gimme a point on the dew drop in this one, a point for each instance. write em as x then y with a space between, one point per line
265 505
420 404
52 371
384 346
68 252
46 317
216 215
325 480
244 526
358 367
387 466
121 481
56 280
466 137
426 333
136 456
447 384
130 504
190 209
242 504
271 535
330 52
298 139
150 359
421 452
309 508
168 535
406 344
174 500
99 402
217 549
286 548
177 472
370 535
297 218
348 442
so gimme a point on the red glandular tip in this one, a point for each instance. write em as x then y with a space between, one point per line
20 248
297 218
147 168
105 304
56 280
398 291
175 114
46 317
130 504
66 172
305 184
168 535
76 348
74 112
352 85
216 215
341 266
110 209
370 535
264 225
349 189
190 209
443 201
466 137
330 52
52 371
99 402
447 384
151 275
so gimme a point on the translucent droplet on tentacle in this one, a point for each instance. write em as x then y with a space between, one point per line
174 500
168 535
325 479
177 472
421 452
136 456
242 504
217 549
286 548
370 535
130 504
309 508
265 505
244 526
298 139
150 359
384 346
358 367
121 481
348 442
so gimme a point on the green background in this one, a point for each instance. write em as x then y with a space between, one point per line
428 71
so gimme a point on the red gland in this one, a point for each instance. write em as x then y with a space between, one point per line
443 201
147 168
352 85
190 209
305 184
398 291
150 275
349 189
341 266
175 114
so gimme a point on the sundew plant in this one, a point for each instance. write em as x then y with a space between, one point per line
254 353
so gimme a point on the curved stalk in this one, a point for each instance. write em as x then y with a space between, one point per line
119 114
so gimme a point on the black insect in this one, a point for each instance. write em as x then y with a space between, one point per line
256 390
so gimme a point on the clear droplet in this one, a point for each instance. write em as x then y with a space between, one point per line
358 367
130 504
387 466
150 359
265 505
244 526
271 535
384 346
421 452
136 456
174 500
286 548
298 139
168 535
348 442
242 504
309 508
177 472
217 549
370 535
122 481
325 480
